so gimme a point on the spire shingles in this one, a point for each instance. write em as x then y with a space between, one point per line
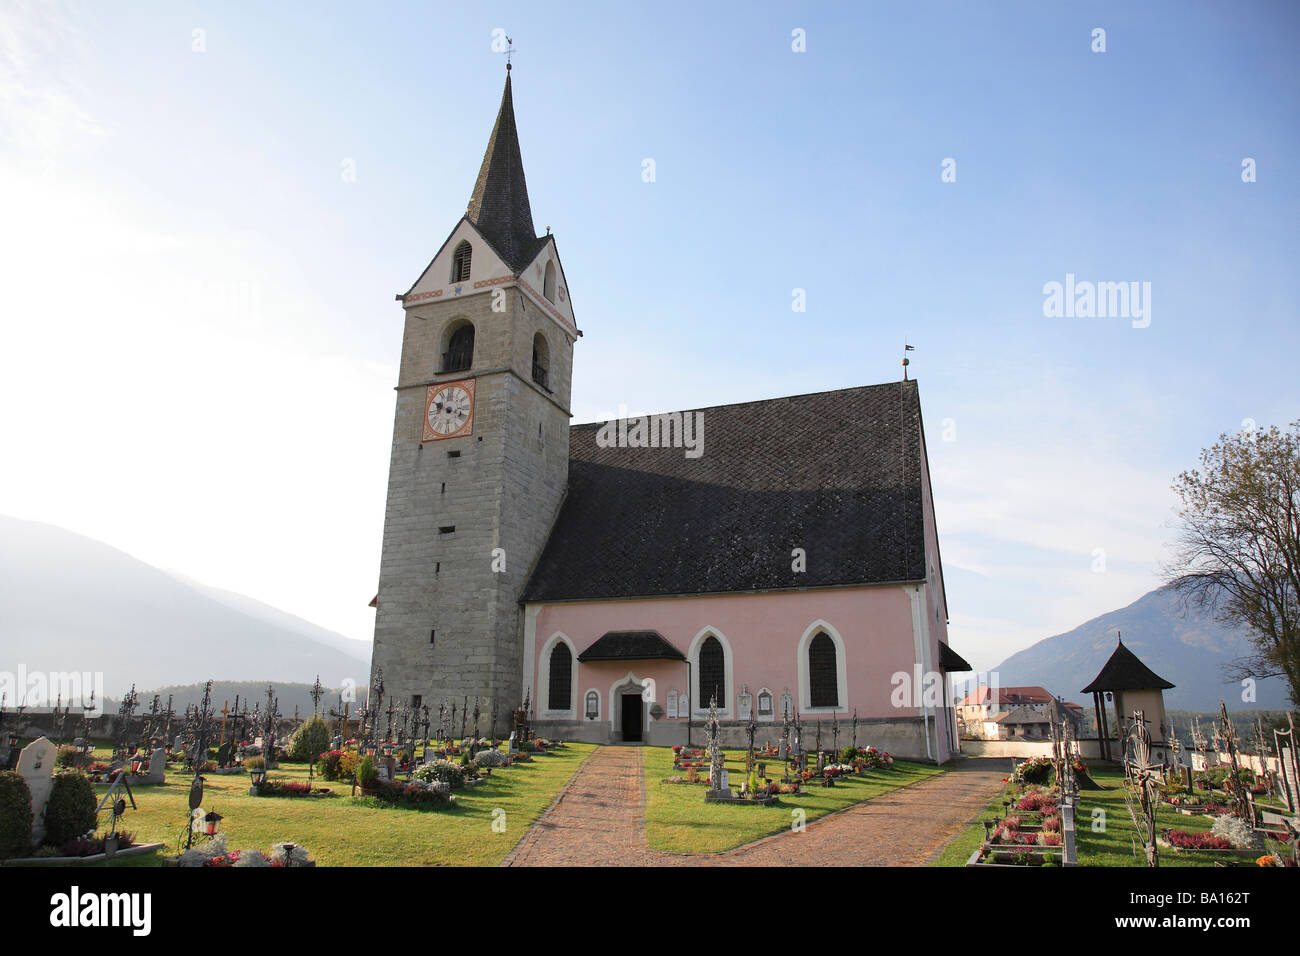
499 206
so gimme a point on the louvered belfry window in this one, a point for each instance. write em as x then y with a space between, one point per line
713 673
823 682
460 263
561 689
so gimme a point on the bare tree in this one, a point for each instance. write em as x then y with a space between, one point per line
1238 552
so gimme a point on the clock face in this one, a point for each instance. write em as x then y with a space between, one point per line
449 410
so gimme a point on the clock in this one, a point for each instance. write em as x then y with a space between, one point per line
449 410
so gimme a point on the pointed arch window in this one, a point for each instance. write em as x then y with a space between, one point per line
823 678
460 350
713 673
460 260
561 678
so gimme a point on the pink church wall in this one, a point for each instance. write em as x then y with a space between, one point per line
763 631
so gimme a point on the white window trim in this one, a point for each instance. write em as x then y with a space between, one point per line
701 708
544 677
841 670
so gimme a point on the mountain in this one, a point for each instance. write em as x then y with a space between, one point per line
281 619
69 603
289 697
1183 644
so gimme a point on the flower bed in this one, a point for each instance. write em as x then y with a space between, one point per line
85 850
288 788
1035 770
415 795
215 855
1196 840
1018 856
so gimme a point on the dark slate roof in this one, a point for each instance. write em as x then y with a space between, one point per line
835 473
1125 672
631 646
950 660
498 207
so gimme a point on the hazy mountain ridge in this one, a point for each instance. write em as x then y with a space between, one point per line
70 603
1184 644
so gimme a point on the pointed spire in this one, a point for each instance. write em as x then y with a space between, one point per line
499 204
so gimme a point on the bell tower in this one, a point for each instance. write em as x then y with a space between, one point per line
479 460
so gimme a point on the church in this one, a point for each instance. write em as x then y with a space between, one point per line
776 558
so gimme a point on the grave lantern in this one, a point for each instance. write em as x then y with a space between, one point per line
211 823
257 776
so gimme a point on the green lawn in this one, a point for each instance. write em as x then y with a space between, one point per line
678 820
338 832
1107 839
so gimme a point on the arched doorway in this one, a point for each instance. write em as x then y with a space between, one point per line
628 710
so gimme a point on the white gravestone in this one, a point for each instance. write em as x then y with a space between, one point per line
672 703
36 764
157 769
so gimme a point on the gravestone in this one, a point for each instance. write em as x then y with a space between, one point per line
178 745
745 703
513 745
36 764
672 704
156 771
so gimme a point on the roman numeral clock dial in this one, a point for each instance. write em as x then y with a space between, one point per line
449 410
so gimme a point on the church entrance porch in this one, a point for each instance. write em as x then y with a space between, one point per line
633 708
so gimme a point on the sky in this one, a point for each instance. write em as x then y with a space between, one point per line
207 208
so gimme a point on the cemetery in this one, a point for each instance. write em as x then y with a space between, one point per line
1203 808
246 786
200 788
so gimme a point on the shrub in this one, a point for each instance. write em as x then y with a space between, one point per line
491 758
329 763
254 763
447 771
69 757
15 814
848 753
1049 839
367 774
348 764
309 741
70 811
1234 830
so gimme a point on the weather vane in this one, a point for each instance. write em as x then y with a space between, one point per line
906 348
510 49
